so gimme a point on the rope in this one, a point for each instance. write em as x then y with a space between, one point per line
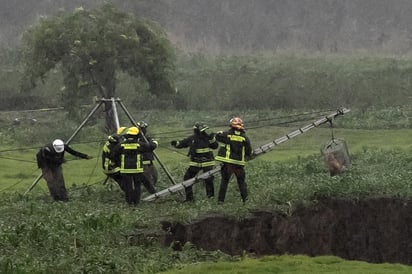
19 182
304 118
38 110
331 127
18 160
86 185
161 133
259 121
185 130
37 147
97 161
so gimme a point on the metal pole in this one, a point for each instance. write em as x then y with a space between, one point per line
33 184
260 150
68 141
84 122
127 113
116 117
184 184
155 155
267 147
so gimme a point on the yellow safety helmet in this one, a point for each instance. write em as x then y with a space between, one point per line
133 131
121 130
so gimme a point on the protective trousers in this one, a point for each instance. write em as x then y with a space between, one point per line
118 179
55 182
150 177
226 172
191 172
131 185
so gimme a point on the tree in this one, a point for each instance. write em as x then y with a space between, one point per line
90 47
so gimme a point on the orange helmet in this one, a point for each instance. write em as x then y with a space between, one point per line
236 123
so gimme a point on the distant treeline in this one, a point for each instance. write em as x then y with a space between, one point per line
244 82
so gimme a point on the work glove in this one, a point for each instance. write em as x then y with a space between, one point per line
173 143
89 157
155 142
251 156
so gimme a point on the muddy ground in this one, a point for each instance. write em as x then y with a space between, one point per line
373 230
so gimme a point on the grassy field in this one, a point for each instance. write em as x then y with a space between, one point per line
92 232
293 264
20 169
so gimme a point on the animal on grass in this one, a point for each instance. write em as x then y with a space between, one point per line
333 165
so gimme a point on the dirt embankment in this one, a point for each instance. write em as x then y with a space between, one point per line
374 230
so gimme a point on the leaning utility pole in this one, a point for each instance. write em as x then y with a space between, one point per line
256 152
116 120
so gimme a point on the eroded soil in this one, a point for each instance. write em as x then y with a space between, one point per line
373 230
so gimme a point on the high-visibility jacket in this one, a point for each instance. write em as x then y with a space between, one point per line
109 165
147 157
200 148
128 154
235 147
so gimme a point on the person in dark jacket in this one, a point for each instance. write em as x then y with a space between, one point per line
110 167
50 159
201 157
149 170
235 149
128 155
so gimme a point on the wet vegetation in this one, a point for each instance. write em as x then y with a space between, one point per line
97 232
275 93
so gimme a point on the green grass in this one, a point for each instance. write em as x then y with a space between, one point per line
20 168
311 142
293 264
96 231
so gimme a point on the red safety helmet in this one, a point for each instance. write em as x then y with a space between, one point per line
236 123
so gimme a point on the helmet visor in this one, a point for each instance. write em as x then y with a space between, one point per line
58 145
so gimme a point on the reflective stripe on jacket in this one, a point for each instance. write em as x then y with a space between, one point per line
235 146
128 154
201 147
130 159
110 166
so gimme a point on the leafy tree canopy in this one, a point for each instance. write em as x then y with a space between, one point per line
91 46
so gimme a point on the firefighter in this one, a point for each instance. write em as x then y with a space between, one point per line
128 154
201 157
235 149
149 170
50 159
110 167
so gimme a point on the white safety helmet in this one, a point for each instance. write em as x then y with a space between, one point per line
58 145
